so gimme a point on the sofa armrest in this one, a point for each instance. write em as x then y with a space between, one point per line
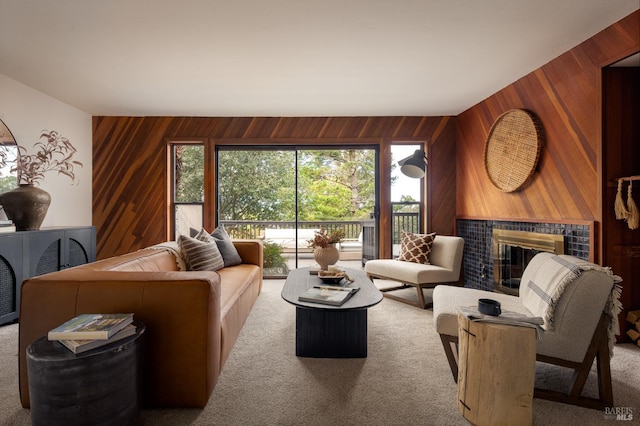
181 311
251 251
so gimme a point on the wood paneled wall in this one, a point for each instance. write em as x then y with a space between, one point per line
130 192
566 95
130 159
570 184
621 150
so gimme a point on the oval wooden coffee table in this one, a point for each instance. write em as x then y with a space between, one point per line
325 331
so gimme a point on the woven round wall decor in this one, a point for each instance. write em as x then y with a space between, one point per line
512 149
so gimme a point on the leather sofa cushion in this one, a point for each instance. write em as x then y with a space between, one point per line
243 285
145 260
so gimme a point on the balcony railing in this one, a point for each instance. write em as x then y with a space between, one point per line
403 218
255 229
293 237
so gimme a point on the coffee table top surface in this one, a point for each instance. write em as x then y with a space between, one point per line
300 280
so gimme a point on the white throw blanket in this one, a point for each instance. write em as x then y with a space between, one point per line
547 285
172 247
613 306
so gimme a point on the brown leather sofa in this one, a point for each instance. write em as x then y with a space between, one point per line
192 319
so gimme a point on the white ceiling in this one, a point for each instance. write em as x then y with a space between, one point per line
287 57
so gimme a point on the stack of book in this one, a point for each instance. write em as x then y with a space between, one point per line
90 331
6 225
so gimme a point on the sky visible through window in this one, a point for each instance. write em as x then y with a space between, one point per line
403 185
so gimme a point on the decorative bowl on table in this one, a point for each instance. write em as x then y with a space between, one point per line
333 277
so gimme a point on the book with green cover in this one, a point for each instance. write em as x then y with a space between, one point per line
91 327
327 295
79 346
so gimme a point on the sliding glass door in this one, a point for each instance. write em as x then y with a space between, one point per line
282 195
257 200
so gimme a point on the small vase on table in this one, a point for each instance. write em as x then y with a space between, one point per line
326 256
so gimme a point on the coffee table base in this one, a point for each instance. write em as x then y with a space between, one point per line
329 333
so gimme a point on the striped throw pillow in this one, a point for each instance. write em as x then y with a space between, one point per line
200 255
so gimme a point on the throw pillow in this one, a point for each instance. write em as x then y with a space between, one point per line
200 255
203 235
416 247
226 247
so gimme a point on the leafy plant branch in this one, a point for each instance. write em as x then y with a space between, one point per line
55 154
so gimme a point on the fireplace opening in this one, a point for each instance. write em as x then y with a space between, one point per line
512 251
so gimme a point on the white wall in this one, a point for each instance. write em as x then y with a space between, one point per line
27 112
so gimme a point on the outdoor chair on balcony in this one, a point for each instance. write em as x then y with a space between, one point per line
578 301
351 249
290 238
414 268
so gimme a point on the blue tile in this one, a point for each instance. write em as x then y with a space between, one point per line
478 252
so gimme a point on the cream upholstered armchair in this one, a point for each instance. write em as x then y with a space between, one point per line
578 301
445 262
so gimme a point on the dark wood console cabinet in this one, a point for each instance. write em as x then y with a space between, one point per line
29 253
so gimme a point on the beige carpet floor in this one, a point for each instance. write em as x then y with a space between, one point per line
405 380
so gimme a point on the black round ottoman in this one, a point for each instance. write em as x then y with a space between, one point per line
97 387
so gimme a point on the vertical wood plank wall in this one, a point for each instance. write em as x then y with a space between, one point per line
130 165
566 95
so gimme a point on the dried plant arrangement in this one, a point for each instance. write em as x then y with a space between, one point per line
55 154
323 238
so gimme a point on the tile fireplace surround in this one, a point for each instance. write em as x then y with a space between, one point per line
478 245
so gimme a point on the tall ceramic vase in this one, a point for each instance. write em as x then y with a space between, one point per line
26 206
326 256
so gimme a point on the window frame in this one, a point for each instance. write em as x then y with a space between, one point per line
171 182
